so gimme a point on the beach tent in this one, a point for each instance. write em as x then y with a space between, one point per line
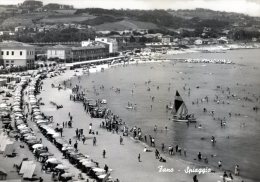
9 149
61 167
18 114
67 175
41 122
98 170
84 160
3 106
22 126
5 141
24 166
38 117
104 177
38 145
53 161
31 137
89 164
46 154
3 174
28 173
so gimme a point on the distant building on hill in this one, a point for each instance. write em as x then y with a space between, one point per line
198 42
166 39
17 54
222 40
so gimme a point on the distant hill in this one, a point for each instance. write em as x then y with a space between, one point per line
208 14
65 18
126 25
119 19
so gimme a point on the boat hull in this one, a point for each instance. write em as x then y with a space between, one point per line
180 120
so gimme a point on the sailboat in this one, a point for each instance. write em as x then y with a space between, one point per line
181 110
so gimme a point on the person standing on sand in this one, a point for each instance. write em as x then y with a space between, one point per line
219 164
163 147
94 141
76 146
121 140
139 157
104 153
237 170
83 139
195 179
106 168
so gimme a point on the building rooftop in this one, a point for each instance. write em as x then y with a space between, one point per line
14 44
59 46
88 47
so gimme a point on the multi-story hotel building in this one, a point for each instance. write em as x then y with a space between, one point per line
17 54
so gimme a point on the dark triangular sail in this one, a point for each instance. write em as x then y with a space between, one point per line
178 101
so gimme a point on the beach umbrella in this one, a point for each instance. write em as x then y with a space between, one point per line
56 135
19 121
53 161
18 114
46 154
25 130
38 117
84 160
61 167
98 170
31 137
17 103
3 106
67 175
17 109
6 122
36 113
34 106
32 142
39 145
51 131
67 148
41 122
89 164
22 126
26 134
36 110
102 176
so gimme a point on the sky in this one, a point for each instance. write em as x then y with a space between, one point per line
250 7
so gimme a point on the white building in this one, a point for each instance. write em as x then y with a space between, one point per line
112 43
166 39
86 43
17 54
59 52
198 42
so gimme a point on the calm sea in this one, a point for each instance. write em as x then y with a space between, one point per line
237 143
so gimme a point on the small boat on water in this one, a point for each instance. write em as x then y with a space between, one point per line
181 110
